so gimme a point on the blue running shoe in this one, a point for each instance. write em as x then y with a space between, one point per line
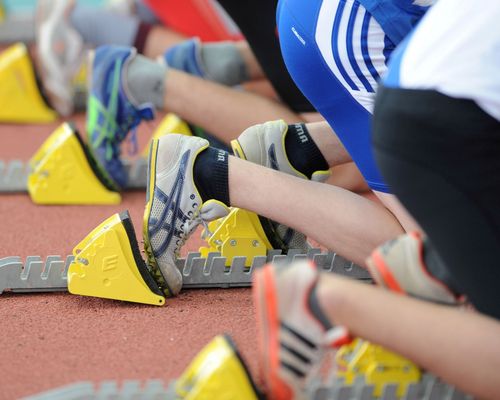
111 115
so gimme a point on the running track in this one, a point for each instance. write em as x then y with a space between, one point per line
49 340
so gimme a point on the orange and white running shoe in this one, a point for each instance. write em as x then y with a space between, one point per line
293 331
398 265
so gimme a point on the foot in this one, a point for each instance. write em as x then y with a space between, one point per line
292 334
185 56
398 265
59 52
264 144
111 114
174 208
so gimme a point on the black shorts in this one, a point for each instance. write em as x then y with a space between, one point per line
257 21
441 158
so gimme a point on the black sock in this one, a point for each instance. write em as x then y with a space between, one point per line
437 268
302 152
211 175
316 309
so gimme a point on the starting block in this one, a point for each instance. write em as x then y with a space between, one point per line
171 123
108 264
63 171
238 234
374 365
20 97
217 372
14 174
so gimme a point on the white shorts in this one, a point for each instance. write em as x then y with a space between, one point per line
454 50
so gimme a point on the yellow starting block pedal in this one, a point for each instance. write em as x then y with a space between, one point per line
240 233
217 372
20 97
108 264
377 366
171 123
63 171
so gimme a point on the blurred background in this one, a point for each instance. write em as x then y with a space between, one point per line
17 16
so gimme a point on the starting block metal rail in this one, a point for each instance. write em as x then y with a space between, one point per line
14 175
430 388
50 275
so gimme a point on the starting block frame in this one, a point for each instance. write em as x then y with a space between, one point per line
14 175
430 388
50 275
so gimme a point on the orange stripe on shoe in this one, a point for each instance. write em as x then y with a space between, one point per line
259 301
279 390
385 273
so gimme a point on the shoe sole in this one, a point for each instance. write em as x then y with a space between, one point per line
381 273
151 259
266 305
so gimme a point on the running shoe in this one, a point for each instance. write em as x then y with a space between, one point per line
264 144
398 265
174 208
111 115
59 52
293 335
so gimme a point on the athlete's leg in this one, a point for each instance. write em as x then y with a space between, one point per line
402 324
339 78
300 311
449 180
444 166
223 111
345 173
335 217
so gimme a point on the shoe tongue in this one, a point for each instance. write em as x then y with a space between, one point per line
213 209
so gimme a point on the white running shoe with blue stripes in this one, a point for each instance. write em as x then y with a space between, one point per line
174 208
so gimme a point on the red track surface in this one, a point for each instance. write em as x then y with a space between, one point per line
49 340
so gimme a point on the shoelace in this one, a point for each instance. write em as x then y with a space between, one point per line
189 226
129 126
